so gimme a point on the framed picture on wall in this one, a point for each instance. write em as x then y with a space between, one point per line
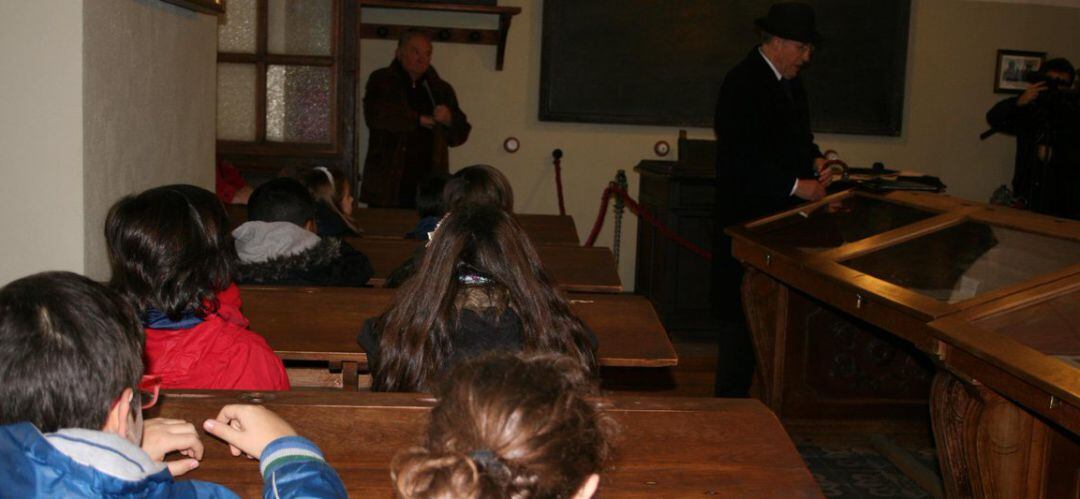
1013 69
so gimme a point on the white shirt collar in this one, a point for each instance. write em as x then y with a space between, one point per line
773 68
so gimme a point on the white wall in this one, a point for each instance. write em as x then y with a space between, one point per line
149 94
41 137
950 86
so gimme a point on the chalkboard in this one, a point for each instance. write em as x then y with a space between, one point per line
661 62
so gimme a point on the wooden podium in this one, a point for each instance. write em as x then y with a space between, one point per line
868 306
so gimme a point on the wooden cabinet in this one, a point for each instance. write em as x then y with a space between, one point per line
677 281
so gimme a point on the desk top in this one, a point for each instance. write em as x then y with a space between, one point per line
627 327
669 447
393 223
574 268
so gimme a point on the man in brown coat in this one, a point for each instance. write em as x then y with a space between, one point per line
414 118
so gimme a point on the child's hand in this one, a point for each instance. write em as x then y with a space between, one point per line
248 429
162 436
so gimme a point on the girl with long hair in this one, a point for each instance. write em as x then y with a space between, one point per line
479 287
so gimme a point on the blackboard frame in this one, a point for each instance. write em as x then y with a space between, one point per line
893 126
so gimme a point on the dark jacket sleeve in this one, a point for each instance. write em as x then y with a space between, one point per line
351 268
1008 117
459 129
385 108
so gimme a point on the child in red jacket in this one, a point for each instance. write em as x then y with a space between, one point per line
172 258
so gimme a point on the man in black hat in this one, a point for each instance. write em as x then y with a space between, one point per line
766 161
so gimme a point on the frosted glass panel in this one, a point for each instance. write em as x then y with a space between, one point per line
298 104
299 27
236 101
236 29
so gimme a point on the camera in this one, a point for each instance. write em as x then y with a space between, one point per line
1052 84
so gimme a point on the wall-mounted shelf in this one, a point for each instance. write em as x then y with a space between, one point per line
212 7
495 37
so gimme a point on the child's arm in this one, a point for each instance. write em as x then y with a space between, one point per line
292 466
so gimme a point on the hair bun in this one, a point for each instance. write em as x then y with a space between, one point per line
418 473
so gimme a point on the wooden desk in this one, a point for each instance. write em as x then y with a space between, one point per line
628 330
861 306
586 270
669 447
393 223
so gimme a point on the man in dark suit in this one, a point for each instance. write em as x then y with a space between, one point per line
766 161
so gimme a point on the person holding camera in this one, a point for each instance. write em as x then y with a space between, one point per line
1045 119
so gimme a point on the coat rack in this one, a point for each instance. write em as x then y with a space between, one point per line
495 37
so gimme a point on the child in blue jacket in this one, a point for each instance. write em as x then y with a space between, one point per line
72 391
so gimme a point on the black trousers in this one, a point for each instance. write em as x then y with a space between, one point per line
735 353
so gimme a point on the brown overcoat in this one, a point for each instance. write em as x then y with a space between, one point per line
392 120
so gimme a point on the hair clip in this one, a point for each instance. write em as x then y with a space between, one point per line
490 463
329 176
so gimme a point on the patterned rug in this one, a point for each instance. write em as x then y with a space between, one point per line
854 471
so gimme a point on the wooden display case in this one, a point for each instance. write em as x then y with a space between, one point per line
857 301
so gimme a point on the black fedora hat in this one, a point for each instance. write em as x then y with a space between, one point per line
791 20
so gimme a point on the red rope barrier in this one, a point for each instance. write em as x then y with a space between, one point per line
558 183
643 214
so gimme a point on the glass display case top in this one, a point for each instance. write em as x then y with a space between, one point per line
831 225
968 259
1051 326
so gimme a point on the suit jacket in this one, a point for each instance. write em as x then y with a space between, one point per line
763 141
393 121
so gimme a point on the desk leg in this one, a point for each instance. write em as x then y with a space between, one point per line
988 446
765 305
350 379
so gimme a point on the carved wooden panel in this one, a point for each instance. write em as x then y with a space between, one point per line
840 367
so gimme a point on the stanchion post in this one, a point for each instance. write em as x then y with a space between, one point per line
620 205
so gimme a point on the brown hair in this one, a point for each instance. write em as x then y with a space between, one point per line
328 186
478 184
508 426
415 331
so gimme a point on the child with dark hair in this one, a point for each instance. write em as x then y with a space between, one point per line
478 184
509 426
278 244
72 389
333 201
172 258
479 287
429 205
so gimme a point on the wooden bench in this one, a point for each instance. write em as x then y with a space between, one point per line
321 325
586 270
668 447
393 223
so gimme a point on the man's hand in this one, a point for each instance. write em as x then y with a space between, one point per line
427 121
162 436
248 429
443 115
1031 94
810 190
825 176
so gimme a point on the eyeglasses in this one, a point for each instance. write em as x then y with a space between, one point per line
804 47
149 386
